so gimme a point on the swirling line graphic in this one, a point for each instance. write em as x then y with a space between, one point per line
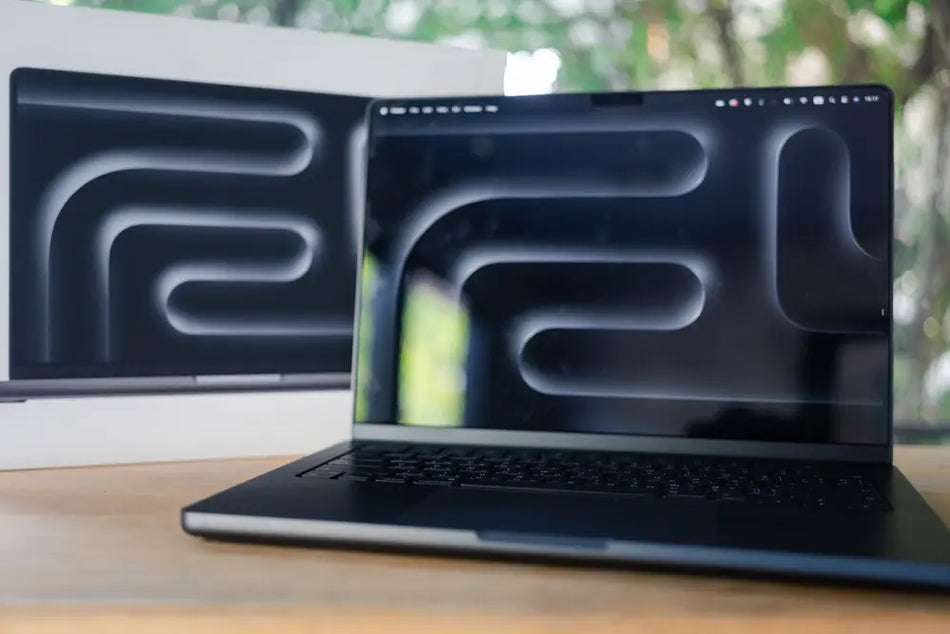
119 220
479 257
658 315
528 325
72 179
833 161
450 200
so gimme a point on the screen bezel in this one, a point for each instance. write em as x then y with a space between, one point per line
392 431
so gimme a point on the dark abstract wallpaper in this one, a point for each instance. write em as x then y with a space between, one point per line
673 267
170 228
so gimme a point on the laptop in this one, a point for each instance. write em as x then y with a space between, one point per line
650 328
171 236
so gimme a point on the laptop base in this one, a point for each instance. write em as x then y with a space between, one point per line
907 545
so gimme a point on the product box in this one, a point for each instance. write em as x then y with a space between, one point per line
180 212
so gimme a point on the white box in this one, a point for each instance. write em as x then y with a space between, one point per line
92 430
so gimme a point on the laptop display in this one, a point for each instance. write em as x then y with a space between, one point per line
688 264
161 228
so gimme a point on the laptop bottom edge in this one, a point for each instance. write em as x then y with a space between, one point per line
516 544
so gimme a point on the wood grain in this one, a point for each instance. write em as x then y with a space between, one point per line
100 550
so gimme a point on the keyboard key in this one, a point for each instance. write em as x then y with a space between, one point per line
322 474
370 471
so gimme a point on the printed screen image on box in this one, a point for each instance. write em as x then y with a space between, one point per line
164 228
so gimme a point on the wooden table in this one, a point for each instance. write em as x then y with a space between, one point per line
100 550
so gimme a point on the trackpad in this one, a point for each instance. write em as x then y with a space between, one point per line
614 517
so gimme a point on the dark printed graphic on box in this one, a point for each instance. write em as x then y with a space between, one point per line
163 228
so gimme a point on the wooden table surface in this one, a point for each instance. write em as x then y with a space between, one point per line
100 550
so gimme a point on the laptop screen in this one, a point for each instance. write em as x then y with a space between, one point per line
707 264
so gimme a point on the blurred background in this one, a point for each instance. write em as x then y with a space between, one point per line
588 45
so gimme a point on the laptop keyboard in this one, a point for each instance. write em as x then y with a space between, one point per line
813 486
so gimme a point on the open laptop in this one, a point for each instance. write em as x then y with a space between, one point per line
170 236
647 327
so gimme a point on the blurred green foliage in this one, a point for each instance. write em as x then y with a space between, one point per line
432 356
369 277
650 44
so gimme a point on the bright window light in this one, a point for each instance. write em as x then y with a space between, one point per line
532 72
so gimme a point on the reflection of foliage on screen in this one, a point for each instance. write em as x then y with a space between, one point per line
435 331
368 279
